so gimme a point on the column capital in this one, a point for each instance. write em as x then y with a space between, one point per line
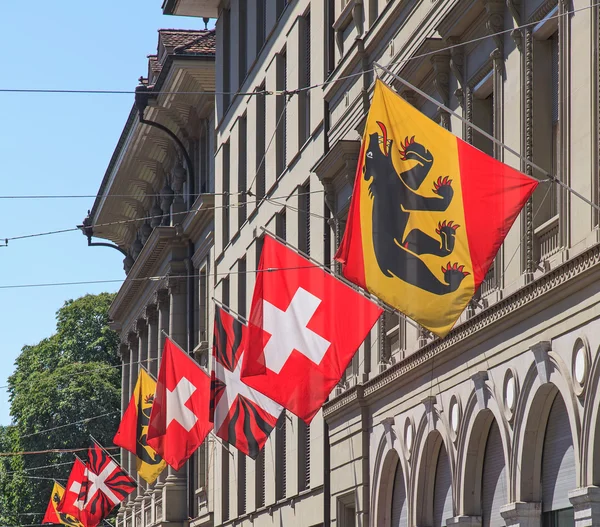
132 341
161 298
151 314
176 284
124 351
140 326
464 521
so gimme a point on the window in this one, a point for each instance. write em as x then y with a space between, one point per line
280 7
346 511
330 62
226 17
261 24
327 236
281 101
304 219
226 201
259 475
483 113
259 245
203 161
259 139
242 170
562 518
225 481
242 42
281 457
225 292
303 455
202 320
241 302
304 121
280 225
241 483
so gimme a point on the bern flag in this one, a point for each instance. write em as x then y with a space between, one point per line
305 326
428 214
133 430
243 417
179 421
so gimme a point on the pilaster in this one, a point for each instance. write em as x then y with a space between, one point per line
522 514
586 504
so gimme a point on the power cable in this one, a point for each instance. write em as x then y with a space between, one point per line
86 420
298 90
134 220
50 451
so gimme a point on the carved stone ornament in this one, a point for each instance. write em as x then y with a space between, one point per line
542 361
151 314
430 412
176 284
161 297
479 380
528 149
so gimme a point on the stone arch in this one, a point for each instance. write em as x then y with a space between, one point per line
471 451
387 459
590 448
531 418
423 480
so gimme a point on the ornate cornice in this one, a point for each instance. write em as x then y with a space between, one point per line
583 267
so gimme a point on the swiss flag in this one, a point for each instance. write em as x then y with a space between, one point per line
304 328
179 421
73 499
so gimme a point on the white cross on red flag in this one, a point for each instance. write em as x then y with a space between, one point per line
304 328
179 420
73 500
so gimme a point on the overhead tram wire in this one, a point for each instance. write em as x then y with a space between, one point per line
297 90
142 219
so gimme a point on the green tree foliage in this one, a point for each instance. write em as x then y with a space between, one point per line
72 376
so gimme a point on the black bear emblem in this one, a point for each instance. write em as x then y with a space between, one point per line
395 198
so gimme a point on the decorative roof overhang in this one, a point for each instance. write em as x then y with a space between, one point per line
203 8
144 154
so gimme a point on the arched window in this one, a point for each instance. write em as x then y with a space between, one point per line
442 491
493 480
399 503
558 468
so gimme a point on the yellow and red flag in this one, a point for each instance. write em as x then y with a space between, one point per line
53 515
133 431
428 214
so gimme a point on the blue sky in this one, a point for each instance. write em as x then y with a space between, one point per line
61 144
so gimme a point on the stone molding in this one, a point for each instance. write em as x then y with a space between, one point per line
522 514
560 277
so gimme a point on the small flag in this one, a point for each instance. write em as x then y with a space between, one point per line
72 502
305 326
243 417
53 515
179 421
107 485
428 214
133 430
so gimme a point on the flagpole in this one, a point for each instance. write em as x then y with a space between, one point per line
240 318
360 290
488 136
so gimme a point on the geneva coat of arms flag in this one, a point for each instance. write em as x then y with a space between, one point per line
72 502
305 326
133 430
107 485
428 213
179 420
243 417
53 515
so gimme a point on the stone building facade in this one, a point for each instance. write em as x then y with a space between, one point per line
494 425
